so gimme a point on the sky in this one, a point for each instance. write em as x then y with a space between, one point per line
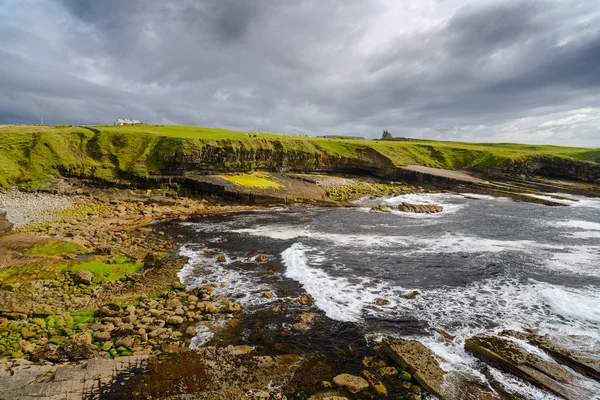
486 71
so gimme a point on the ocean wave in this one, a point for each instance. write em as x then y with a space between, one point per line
338 297
200 268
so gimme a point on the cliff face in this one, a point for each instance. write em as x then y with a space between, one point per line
31 154
227 157
554 167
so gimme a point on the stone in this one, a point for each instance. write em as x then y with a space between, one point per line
509 356
131 318
190 331
327 396
411 296
419 361
268 295
353 383
420 208
382 302
109 310
567 350
169 346
126 341
83 277
175 320
376 385
5 226
82 339
387 371
102 336
107 345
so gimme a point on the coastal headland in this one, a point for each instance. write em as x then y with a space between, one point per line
92 306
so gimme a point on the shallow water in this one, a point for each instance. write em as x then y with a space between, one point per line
483 265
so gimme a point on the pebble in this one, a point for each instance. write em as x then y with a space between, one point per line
25 208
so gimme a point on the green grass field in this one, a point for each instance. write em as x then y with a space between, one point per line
30 154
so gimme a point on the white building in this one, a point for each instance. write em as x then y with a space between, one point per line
125 121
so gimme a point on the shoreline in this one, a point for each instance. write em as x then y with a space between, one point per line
135 308
83 320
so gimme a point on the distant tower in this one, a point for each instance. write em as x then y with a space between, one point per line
386 135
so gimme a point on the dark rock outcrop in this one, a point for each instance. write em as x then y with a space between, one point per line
420 208
509 356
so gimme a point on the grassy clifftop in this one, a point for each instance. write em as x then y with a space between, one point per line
30 154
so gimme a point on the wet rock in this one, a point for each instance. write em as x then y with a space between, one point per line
561 349
327 396
353 383
412 295
382 208
104 249
169 346
419 361
376 385
510 356
387 371
420 208
306 299
382 302
83 277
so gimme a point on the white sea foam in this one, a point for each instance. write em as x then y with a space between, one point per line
477 196
496 304
442 199
451 243
338 297
551 198
200 268
578 224
579 260
203 336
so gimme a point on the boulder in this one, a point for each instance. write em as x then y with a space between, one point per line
509 356
175 320
5 226
376 385
353 383
83 277
419 361
102 336
416 358
109 310
567 350
126 341
420 208
82 339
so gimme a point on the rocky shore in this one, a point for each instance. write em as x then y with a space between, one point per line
91 307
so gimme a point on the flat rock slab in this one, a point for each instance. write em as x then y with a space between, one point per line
540 370
580 353
444 173
417 359
20 379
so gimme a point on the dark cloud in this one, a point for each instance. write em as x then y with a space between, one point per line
449 70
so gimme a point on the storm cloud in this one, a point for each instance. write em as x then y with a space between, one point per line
511 70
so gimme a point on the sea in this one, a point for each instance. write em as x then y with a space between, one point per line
483 265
